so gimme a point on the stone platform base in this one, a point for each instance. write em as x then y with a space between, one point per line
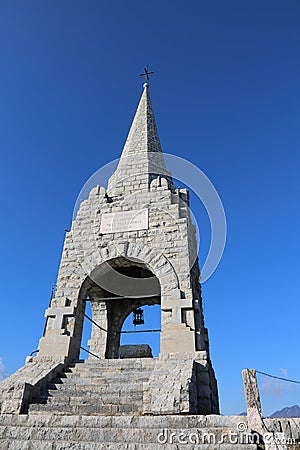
55 432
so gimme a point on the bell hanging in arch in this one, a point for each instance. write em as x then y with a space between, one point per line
138 317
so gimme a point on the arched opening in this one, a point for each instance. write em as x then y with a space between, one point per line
115 290
147 333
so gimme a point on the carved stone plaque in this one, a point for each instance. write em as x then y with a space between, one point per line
124 221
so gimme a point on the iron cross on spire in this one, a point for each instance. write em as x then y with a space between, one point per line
146 73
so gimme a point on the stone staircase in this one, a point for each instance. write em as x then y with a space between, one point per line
98 405
104 387
57 432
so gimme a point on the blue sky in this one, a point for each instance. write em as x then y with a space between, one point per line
226 96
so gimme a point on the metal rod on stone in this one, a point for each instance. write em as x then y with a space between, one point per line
140 331
95 323
128 297
90 353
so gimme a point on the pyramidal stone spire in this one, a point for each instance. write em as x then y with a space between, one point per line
142 159
143 135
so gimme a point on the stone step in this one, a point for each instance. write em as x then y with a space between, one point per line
98 380
86 409
75 445
92 399
119 383
213 436
137 362
110 369
89 373
131 362
96 388
107 363
101 387
158 422
113 376
54 432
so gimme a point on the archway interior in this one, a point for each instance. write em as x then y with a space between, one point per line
146 333
114 290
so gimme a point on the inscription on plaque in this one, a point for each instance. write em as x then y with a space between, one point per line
124 221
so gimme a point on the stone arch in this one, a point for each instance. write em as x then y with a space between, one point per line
156 261
70 289
110 308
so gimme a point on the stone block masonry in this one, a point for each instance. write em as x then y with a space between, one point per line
132 244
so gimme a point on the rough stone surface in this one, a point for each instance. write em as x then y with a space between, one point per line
135 351
281 434
54 432
16 391
252 400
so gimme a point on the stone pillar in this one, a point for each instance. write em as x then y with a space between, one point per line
252 400
98 340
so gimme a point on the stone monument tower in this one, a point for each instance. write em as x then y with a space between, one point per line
132 244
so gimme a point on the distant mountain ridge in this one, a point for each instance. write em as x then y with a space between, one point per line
288 411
